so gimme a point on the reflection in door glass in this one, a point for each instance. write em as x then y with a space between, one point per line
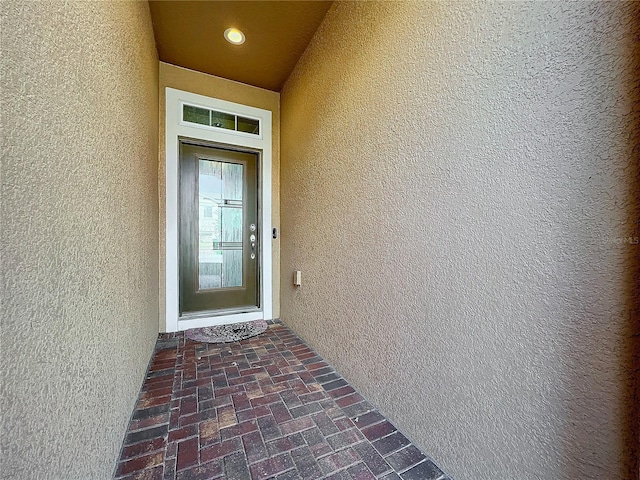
220 224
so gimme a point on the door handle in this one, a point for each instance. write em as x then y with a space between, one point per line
252 239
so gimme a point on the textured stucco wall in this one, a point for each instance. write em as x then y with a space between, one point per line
79 232
458 180
223 89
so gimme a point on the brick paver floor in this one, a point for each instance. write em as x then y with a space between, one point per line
268 407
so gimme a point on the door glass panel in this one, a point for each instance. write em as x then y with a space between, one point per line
220 221
231 233
232 181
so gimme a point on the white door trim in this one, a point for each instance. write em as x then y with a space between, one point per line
174 128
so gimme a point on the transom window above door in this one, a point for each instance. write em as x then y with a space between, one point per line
206 117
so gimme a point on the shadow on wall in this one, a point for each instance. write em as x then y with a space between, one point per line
631 409
631 436
621 245
630 239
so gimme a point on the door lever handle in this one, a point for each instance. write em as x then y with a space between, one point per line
252 238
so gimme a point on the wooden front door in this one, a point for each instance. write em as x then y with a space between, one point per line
219 232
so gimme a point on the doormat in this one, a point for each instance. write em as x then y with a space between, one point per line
227 333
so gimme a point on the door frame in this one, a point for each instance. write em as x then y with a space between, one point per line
175 128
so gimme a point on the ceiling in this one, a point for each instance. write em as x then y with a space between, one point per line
190 34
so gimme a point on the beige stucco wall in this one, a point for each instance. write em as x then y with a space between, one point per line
223 89
79 232
458 187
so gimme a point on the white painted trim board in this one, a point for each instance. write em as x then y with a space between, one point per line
174 128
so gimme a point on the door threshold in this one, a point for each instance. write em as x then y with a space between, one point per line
219 317
217 313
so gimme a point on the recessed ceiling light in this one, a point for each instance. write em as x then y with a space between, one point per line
235 36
